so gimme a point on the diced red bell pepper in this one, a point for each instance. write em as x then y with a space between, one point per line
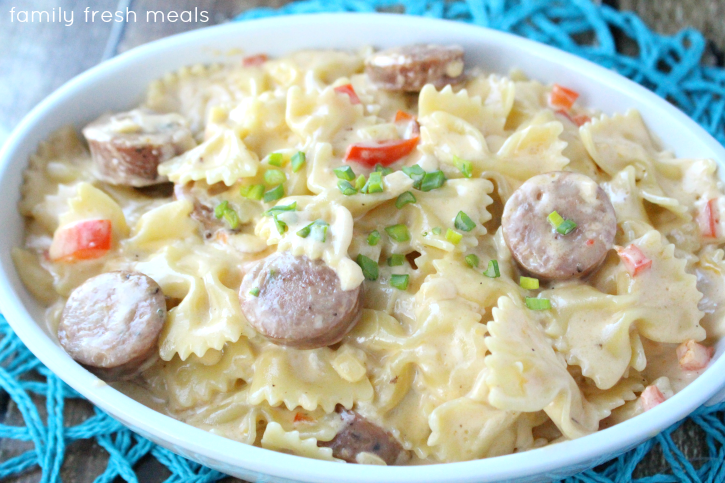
402 116
579 120
254 60
634 260
562 98
651 397
386 153
348 89
693 356
709 219
82 240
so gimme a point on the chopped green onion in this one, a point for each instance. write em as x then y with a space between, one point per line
305 232
369 267
560 224
492 270
437 230
379 168
529 283
416 173
398 232
396 260
360 182
281 225
345 187
281 209
433 180
465 167
374 184
344 172
220 209
274 194
274 177
374 238
555 219
453 236
253 192
399 281
319 230
298 160
276 159
404 199
254 291
464 222
566 227
538 304
231 217
472 260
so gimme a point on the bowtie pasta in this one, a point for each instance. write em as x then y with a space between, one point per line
377 257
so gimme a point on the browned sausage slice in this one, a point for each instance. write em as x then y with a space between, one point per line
298 301
111 323
538 247
358 435
127 147
411 67
204 206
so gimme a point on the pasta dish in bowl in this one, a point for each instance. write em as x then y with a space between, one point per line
386 257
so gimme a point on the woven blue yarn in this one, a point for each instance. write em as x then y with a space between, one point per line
668 65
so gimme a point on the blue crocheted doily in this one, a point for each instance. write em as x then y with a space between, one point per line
669 65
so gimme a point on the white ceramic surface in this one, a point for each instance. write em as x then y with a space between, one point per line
119 84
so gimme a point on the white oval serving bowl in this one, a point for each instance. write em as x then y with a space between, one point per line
120 84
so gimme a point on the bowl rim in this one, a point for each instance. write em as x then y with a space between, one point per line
602 444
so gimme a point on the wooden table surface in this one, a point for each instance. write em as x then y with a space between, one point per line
36 58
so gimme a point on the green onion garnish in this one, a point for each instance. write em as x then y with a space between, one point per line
374 184
254 291
360 182
529 283
344 172
433 180
492 270
305 232
404 199
463 222
369 267
560 224
465 167
373 238
319 230
379 168
567 227
416 173
398 232
281 225
253 192
281 209
453 236
276 159
220 209
399 281
472 260
538 304
274 194
231 217
555 219
274 177
437 230
298 160
396 260
345 187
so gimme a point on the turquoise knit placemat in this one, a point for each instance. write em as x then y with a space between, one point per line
669 65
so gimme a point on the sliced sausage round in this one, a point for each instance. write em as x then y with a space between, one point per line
127 147
358 435
542 250
298 302
204 206
111 323
411 67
